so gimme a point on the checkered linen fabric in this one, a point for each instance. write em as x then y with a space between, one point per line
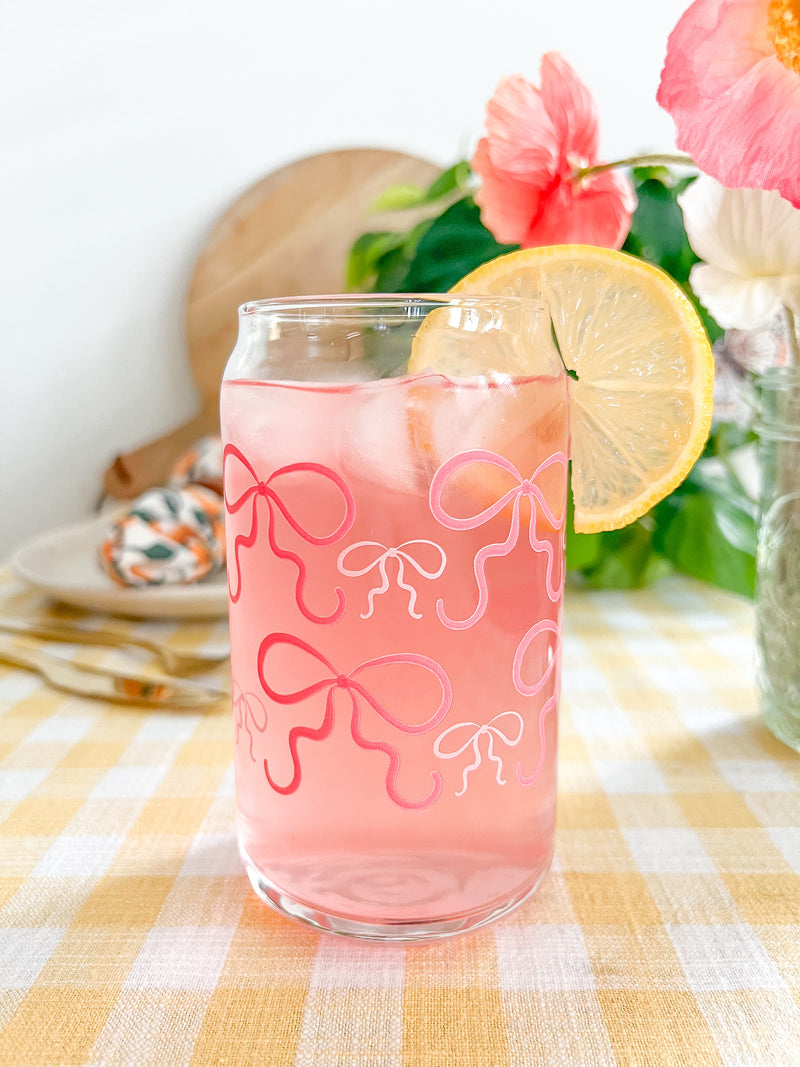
667 933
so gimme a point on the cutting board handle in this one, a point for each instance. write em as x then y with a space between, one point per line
131 474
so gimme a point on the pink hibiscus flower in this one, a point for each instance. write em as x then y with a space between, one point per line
536 139
731 82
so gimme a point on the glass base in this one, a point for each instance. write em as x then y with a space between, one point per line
396 930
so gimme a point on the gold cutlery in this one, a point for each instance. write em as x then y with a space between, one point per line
174 661
126 687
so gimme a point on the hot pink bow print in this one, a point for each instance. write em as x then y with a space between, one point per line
268 490
466 735
331 681
248 712
525 488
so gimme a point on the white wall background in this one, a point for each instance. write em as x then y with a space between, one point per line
127 128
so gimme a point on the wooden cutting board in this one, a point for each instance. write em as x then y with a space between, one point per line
288 235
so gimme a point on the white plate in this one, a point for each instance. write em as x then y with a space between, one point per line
63 564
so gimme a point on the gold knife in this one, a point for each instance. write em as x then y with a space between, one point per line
124 687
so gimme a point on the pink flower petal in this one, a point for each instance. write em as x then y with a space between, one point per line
520 134
597 212
715 42
507 205
736 107
571 109
737 139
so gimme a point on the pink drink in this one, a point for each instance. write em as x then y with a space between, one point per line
395 564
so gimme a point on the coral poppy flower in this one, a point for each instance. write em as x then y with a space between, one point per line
535 141
731 82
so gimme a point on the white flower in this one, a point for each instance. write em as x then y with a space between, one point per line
749 240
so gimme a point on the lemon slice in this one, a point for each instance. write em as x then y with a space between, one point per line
641 404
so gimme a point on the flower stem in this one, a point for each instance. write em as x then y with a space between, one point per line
793 334
657 160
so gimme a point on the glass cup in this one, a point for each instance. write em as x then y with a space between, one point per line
395 567
778 561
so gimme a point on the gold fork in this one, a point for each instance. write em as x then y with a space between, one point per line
176 662
124 687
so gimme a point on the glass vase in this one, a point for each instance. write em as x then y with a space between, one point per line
778 563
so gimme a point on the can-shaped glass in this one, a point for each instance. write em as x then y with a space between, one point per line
395 548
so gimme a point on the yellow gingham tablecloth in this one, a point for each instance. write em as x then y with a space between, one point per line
668 931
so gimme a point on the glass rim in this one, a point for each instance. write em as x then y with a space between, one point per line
362 302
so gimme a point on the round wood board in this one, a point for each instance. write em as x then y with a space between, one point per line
288 235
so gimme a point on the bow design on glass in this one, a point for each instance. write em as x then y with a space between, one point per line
525 488
268 491
248 710
523 779
545 634
549 654
490 731
379 557
331 682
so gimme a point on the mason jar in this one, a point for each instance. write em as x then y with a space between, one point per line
777 610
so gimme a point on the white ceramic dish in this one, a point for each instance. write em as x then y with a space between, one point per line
63 564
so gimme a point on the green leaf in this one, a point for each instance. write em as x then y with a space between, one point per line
615 559
454 244
735 513
626 559
726 437
366 255
449 181
657 233
694 531
404 196
584 551
713 330
706 528
393 266
399 198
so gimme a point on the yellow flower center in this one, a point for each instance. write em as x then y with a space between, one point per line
784 29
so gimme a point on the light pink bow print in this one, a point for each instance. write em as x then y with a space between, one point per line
248 710
332 681
546 635
475 732
552 651
525 487
548 707
269 492
378 555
